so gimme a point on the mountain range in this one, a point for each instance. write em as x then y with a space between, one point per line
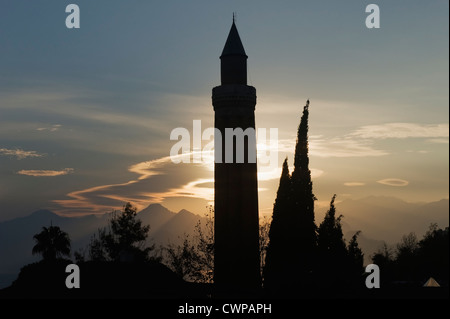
379 219
389 218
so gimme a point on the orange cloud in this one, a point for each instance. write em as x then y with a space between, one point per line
354 184
46 173
393 182
99 199
19 153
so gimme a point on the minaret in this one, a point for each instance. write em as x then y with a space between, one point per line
236 221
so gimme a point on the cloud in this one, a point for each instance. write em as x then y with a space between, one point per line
393 182
45 173
275 173
402 130
19 153
198 188
147 188
52 128
438 140
343 147
99 107
359 143
354 184
154 183
150 168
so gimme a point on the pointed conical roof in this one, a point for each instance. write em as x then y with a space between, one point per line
431 283
233 46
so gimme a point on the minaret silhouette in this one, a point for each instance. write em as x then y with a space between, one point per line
236 221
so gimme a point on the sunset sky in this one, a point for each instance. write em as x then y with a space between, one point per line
86 114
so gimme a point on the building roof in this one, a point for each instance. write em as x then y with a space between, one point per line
233 46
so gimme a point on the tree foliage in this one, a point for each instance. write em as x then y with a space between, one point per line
303 198
193 260
355 255
414 261
52 243
293 232
331 242
280 242
264 229
346 260
122 240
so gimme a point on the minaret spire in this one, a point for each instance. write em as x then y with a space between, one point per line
233 60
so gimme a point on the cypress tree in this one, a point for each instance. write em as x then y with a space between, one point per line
355 260
303 202
292 246
332 250
330 237
278 248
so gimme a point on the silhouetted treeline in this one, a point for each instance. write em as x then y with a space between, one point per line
337 268
116 264
412 262
193 259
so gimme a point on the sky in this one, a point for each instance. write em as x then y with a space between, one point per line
86 114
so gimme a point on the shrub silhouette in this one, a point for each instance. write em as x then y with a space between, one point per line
51 243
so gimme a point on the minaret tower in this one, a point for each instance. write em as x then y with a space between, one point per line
236 221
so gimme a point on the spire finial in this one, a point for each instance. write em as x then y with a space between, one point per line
234 17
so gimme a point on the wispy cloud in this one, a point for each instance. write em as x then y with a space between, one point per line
52 128
45 173
354 184
19 153
343 147
438 140
402 130
203 188
95 107
196 180
142 190
397 182
360 143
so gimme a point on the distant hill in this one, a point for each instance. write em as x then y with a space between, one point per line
16 235
389 218
167 226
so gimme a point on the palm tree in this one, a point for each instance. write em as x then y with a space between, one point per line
51 243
